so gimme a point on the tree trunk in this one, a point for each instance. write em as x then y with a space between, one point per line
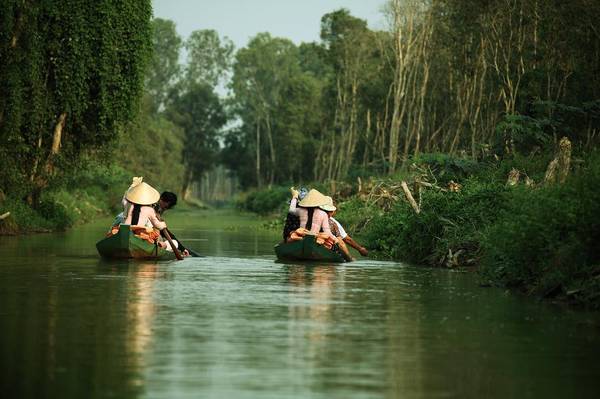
187 181
56 142
258 180
271 150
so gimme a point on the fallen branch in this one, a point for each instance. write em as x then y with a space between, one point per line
409 197
4 215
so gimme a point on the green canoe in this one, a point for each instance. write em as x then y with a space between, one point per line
125 244
306 249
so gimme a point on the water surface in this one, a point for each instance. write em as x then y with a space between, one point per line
237 324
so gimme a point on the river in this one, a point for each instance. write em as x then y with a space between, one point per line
237 324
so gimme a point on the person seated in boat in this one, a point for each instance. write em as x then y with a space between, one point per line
167 201
292 221
120 218
338 230
340 246
141 215
312 219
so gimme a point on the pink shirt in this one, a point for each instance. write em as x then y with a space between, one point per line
147 217
320 218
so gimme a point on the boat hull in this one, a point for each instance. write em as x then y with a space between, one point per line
125 245
306 249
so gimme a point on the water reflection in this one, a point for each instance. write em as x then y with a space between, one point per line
141 311
317 280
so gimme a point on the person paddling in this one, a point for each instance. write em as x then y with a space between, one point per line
330 208
339 231
167 201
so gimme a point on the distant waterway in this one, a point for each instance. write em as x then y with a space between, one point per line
237 324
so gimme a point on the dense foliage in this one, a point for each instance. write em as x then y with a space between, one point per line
546 239
471 77
70 72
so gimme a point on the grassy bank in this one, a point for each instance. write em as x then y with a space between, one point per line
93 191
536 237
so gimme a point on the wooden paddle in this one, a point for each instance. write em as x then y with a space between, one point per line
173 247
193 253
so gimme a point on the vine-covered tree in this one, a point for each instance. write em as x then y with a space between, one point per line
71 71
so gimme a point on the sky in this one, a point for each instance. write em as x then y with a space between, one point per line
297 20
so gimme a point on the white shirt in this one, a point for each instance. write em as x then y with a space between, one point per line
343 233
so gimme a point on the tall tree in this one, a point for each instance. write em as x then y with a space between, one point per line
164 69
261 72
349 45
209 57
200 114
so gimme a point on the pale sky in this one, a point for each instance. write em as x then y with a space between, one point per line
297 20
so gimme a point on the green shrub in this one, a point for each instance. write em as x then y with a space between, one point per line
534 167
355 214
91 191
104 185
447 167
23 218
55 213
546 239
448 221
522 134
266 201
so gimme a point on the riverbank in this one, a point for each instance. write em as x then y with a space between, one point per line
93 191
500 218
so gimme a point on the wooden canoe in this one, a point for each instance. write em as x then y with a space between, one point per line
306 249
125 245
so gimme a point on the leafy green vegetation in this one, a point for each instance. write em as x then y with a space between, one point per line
265 201
69 80
545 240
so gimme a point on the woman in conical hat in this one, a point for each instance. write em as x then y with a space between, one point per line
313 199
120 218
311 217
140 212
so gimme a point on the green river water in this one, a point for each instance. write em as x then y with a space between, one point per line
237 324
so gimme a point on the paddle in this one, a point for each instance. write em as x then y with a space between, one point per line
173 247
193 253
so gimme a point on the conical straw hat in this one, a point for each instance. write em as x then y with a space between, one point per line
313 199
135 181
328 206
142 194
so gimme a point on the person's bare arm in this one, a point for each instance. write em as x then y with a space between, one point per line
345 252
363 251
